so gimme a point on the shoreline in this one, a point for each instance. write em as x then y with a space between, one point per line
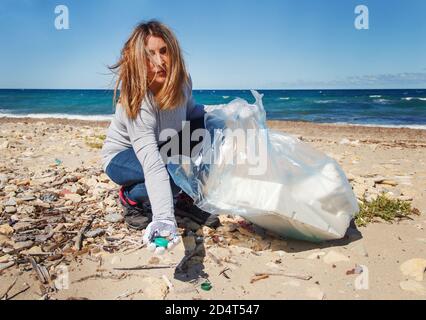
303 129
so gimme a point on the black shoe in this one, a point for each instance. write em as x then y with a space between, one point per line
185 207
135 216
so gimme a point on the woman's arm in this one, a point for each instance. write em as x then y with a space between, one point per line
144 141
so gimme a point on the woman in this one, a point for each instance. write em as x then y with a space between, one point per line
155 94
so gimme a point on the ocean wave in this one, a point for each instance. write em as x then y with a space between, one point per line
105 117
284 98
413 98
225 97
327 101
375 96
382 101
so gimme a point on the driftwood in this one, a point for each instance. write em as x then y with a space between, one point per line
80 235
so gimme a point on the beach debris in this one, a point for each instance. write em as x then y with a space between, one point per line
147 267
206 286
114 218
414 268
168 283
357 270
5 229
223 272
258 277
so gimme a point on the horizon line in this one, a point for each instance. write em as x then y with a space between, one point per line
225 89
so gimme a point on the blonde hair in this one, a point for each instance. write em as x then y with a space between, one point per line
132 72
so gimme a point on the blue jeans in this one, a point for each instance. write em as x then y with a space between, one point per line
126 170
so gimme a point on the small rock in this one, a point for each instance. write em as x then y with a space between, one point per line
33 250
21 226
412 286
10 202
4 240
28 198
94 233
23 245
5 258
334 257
405 198
114 217
75 198
49 197
414 268
6 229
10 209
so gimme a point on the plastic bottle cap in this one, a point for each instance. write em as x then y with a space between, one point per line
161 242
206 286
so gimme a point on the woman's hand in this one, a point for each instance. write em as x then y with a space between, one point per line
161 228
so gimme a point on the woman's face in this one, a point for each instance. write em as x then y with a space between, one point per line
158 63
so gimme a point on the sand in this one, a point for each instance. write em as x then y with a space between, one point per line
328 269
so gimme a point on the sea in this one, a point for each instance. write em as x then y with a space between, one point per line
372 107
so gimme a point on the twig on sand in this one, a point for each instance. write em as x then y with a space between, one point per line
147 267
290 275
27 286
127 294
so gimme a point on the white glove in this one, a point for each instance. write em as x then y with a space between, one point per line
161 228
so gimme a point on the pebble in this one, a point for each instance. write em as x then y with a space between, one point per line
10 209
23 245
94 233
49 197
75 198
114 217
5 229
10 202
28 198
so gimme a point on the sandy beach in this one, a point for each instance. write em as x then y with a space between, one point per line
61 235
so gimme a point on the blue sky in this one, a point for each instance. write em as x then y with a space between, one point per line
227 44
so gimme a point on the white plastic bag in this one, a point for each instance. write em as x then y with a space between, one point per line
292 189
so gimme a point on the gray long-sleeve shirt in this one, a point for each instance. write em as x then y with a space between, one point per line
142 134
